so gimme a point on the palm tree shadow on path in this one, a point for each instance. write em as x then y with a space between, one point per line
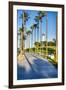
37 70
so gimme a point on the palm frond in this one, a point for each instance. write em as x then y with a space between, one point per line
28 32
20 29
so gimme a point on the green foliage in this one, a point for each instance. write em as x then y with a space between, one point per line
28 32
53 62
20 30
36 19
27 50
26 16
37 44
41 13
50 50
51 43
30 49
32 27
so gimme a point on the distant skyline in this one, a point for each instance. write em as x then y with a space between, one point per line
51 22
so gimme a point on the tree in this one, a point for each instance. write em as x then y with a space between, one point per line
54 40
32 28
28 35
22 39
37 45
46 35
24 16
21 30
35 28
21 53
40 16
37 20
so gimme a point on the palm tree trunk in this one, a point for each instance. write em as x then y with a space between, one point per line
21 41
23 34
37 39
41 35
46 36
36 35
39 30
29 42
32 39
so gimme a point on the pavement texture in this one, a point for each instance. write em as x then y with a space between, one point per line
35 67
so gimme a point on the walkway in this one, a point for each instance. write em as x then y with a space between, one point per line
35 67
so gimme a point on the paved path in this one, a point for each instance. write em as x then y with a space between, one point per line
35 67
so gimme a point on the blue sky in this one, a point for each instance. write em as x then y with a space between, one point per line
51 22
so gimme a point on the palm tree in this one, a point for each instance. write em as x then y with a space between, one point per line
21 53
32 28
28 35
46 35
38 24
41 14
35 33
21 30
35 28
19 38
37 45
24 16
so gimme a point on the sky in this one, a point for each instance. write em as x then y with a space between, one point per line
51 23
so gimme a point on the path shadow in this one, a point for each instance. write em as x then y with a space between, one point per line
41 69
